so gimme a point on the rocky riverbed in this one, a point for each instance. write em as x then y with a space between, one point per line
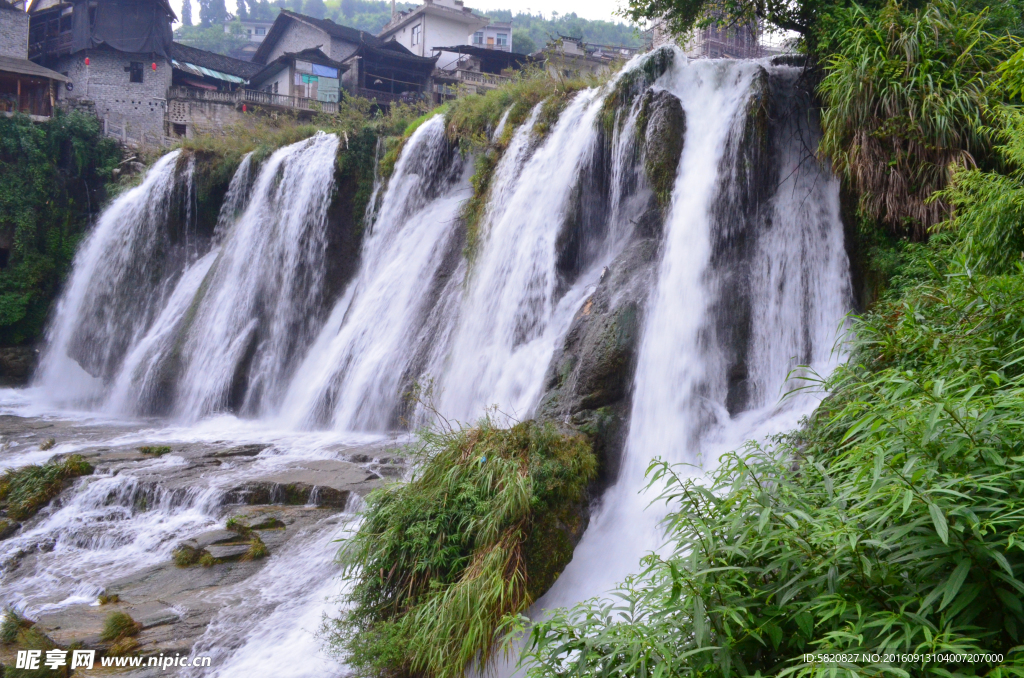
147 533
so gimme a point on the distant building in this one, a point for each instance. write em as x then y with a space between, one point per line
475 70
25 87
714 42
497 35
207 91
374 67
253 30
569 57
434 24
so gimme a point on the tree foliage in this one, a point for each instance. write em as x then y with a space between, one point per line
52 182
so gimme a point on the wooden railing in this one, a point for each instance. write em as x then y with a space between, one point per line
478 78
51 47
253 97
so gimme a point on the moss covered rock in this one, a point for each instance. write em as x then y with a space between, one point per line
662 126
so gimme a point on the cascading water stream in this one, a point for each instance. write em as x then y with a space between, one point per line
352 377
776 277
748 280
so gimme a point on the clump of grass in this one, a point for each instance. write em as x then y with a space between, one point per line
108 599
123 647
239 524
118 626
185 556
257 549
440 561
25 490
207 559
47 444
269 524
13 623
155 450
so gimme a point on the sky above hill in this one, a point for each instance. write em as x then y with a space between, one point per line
587 9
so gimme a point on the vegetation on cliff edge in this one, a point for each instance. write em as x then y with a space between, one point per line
479 533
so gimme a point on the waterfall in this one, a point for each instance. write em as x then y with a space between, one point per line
755 260
120 276
720 273
352 377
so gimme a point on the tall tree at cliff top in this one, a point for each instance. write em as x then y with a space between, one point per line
186 13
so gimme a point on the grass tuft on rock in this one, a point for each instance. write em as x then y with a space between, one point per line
47 444
155 450
118 626
13 623
109 599
185 556
439 562
25 490
257 549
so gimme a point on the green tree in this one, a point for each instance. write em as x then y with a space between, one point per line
186 12
315 8
522 42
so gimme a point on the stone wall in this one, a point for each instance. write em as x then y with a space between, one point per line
141 106
13 34
202 116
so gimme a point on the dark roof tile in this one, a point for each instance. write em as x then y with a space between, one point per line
215 62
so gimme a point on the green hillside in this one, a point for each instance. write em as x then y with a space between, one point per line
529 31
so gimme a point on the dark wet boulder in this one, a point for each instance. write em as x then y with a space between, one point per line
662 126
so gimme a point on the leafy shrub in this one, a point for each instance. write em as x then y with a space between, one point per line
156 451
906 95
53 180
118 626
25 490
438 562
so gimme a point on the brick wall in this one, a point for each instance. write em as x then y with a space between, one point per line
13 34
139 105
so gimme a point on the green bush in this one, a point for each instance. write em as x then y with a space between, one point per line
25 490
476 535
906 94
156 451
53 179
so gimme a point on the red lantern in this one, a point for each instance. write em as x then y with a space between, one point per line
86 61
243 108
154 65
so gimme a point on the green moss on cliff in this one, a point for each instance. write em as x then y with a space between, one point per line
483 529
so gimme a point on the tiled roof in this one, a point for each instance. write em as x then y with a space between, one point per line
215 62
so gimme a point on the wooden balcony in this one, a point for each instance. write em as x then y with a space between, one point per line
476 78
51 47
253 98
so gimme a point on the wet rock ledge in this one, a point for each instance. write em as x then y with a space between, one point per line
269 503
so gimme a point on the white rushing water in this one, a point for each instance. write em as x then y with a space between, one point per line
238 335
799 294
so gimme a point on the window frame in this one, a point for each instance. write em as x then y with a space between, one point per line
136 72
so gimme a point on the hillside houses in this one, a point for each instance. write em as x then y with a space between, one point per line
117 59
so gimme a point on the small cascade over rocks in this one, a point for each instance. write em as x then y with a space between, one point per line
652 262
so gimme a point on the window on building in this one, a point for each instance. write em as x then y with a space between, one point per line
503 39
478 38
261 31
417 33
135 71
